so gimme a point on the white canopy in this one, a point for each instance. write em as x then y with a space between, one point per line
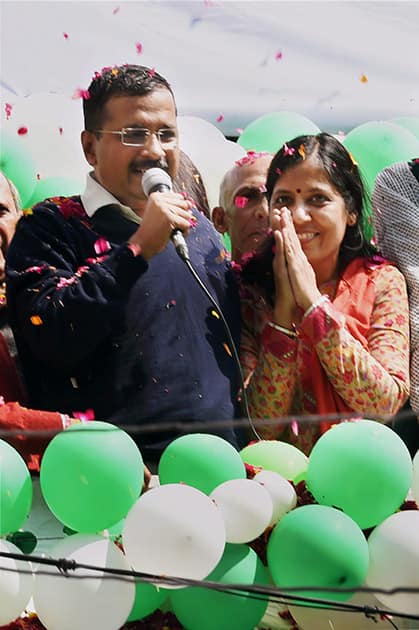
338 63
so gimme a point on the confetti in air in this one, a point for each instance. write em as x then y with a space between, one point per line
65 35
278 55
220 118
8 109
364 78
22 131
139 48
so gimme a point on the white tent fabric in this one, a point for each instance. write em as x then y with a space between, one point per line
338 63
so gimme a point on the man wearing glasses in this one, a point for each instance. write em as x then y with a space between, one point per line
109 321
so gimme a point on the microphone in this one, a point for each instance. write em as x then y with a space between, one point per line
157 180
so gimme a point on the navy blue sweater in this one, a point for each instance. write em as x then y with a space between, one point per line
100 328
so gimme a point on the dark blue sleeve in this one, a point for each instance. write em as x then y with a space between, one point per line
64 297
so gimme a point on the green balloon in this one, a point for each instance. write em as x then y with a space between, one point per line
147 599
270 131
411 123
375 145
362 468
318 546
200 460
227 241
199 608
15 489
17 164
54 187
281 457
91 475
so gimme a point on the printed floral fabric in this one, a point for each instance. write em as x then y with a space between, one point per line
371 381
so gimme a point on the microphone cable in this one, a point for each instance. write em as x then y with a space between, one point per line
232 345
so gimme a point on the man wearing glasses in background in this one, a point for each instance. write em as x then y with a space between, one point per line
108 319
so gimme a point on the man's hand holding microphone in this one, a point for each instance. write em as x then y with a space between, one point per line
167 215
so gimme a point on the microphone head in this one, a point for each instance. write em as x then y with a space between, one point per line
156 179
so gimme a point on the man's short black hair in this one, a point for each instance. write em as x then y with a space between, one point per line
126 80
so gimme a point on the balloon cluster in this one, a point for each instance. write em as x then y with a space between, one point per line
40 146
201 522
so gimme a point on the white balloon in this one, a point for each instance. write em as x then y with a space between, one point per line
415 482
211 153
53 123
68 603
394 560
283 495
174 530
15 586
246 507
322 619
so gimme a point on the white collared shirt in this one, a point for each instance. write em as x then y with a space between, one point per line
95 196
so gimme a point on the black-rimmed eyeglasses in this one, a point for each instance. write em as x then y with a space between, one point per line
138 136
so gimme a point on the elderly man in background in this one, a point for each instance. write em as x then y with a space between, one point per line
243 210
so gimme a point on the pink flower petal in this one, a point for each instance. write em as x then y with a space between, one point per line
220 118
152 72
22 131
139 47
102 246
80 93
60 129
278 55
84 416
8 109
116 10
240 202
65 35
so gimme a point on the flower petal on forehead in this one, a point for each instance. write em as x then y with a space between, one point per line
240 202
139 47
262 188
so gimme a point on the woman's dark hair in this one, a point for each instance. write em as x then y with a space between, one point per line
189 179
344 176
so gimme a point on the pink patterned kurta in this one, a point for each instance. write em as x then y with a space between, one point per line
371 381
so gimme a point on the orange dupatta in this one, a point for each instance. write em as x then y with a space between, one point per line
355 297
